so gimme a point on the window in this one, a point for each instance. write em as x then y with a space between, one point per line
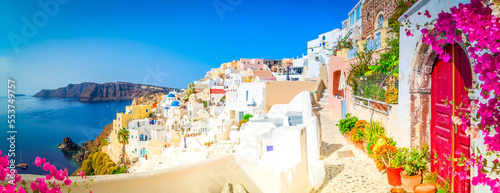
323 38
380 20
247 96
319 44
146 110
358 13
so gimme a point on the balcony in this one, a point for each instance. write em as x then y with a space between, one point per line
374 44
352 53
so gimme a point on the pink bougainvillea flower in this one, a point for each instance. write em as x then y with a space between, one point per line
463 176
39 161
408 33
419 13
67 182
46 166
424 31
445 57
427 14
82 174
406 16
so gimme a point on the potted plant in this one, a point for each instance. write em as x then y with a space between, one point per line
345 125
393 159
372 132
358 133
416 162
357 138
377 150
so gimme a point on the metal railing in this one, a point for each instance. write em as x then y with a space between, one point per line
368 103
352 53
374 44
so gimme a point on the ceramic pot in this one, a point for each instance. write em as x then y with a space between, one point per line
394 176
425 188
409 182
397 190
358 145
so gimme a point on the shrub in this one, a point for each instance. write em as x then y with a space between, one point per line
374 130
99 163
247 117
391 96
360 124
357 134
345 125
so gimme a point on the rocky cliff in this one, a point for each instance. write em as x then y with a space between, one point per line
89 146
68 145
94 92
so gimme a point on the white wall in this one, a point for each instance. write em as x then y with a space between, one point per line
317 54
255 91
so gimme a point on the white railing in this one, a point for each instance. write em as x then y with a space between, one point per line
370 103
352 53
374 44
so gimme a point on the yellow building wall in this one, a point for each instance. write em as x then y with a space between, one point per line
131 112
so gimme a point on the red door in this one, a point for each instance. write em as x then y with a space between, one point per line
442 133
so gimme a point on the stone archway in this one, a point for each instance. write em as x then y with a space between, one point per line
420 94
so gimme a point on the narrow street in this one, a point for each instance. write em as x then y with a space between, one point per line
348 174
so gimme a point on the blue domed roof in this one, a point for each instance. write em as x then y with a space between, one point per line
175 104
166 108
171 95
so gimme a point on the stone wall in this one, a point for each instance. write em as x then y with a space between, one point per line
370 11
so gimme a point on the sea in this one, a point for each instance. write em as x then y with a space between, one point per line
43 123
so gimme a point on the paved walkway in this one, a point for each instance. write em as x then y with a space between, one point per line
352 174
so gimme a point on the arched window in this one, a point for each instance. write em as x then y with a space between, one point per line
380 20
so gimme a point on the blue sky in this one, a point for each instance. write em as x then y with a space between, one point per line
166 43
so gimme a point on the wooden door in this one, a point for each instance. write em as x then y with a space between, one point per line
444 139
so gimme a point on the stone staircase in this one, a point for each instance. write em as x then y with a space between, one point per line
323 101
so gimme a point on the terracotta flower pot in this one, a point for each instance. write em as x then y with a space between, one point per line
409 182
358 144
397 190
365 144
425 188
394 176
348 137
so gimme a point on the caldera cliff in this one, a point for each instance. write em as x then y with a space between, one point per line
95 92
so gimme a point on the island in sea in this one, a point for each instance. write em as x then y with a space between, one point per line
112 91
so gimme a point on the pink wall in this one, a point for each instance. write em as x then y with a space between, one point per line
335 104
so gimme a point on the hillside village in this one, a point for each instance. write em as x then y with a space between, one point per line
276 118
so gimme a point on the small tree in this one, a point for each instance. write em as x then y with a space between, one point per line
123 136
247 117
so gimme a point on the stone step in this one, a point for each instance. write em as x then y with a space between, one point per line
322 103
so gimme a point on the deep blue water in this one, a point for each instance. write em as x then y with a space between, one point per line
42 124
